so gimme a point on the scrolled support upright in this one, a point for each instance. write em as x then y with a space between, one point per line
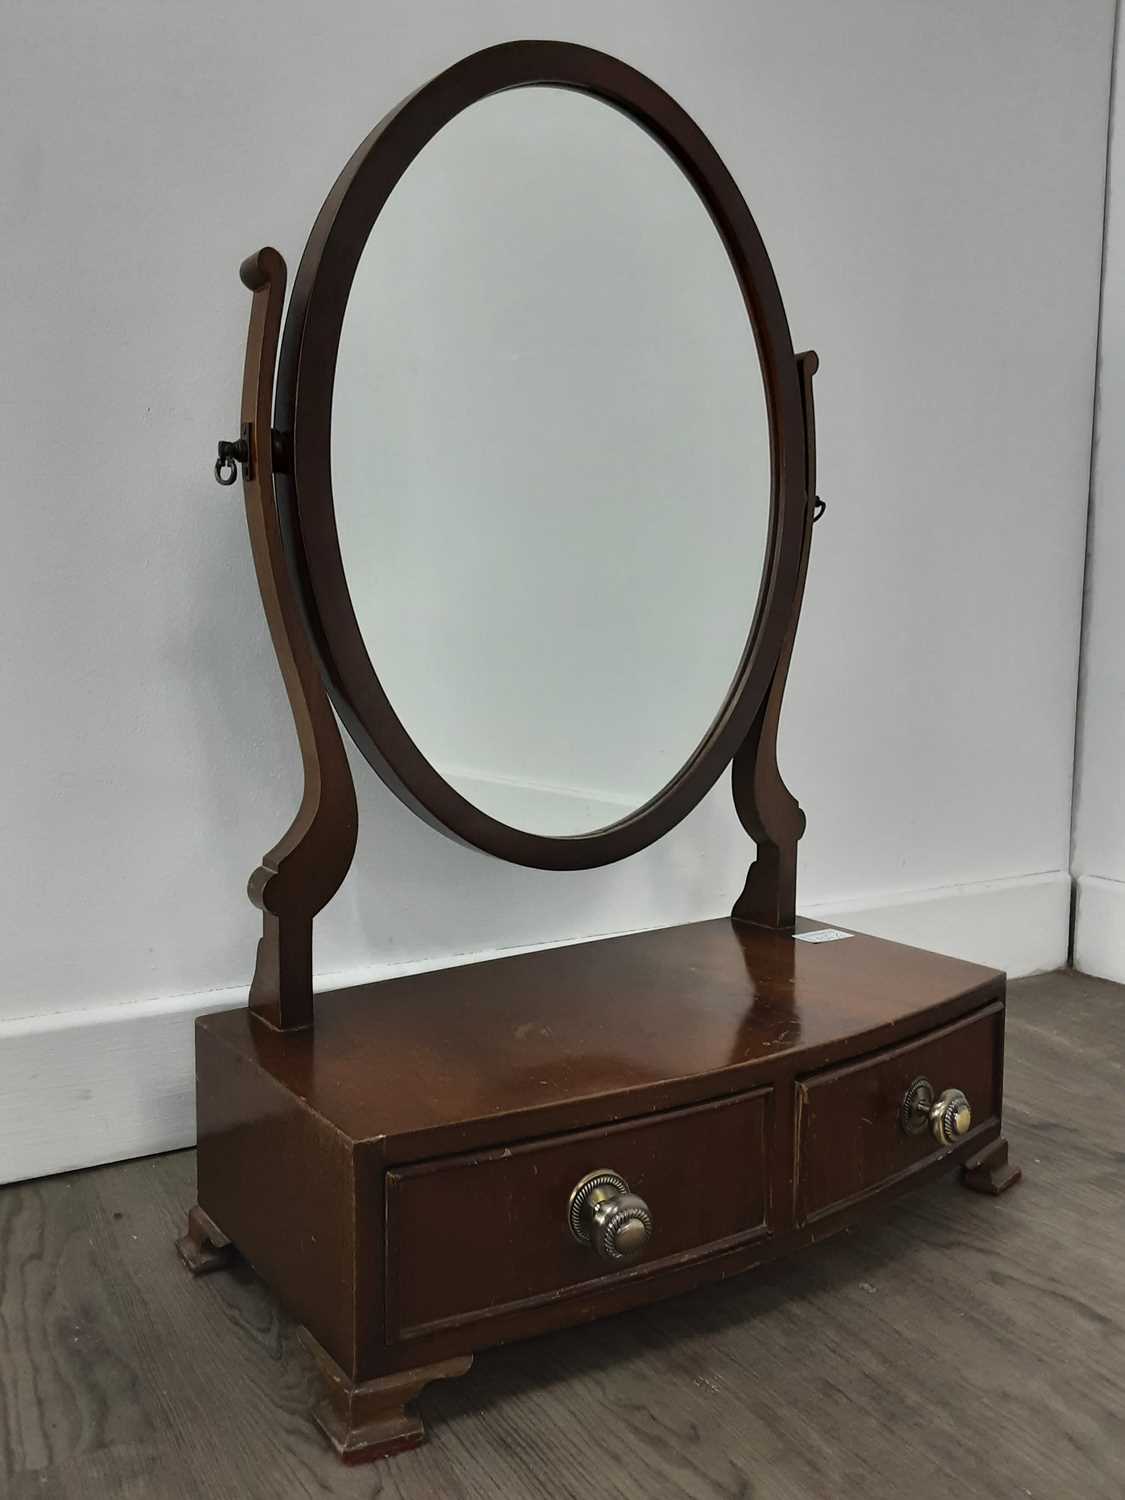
766 807
302 872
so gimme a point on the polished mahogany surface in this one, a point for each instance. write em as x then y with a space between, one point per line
746 1083
702 1171
449 1058
847 1145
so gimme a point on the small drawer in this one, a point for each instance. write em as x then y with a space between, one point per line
477 1235
850 1137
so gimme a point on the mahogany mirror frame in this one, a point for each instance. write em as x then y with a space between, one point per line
303 410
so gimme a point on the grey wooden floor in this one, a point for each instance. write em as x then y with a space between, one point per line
962 1347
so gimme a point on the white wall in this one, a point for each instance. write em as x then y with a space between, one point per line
1099 815
928 179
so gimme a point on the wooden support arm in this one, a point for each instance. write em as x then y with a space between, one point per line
766 807
302 872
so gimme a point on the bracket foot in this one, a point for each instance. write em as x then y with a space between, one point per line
205 1247
373 1419
990 1171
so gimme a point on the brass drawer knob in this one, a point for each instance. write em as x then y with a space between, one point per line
602 1212
947 1115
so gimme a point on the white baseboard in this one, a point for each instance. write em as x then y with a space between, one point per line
89 1086
1020 925
1099 927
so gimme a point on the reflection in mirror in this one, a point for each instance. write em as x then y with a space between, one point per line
550 460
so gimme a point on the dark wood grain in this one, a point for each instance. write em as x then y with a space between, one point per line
304 870
490 1090
376 1418
962 1345
843 1145
287 1178
484 1054
703 1173
992 1171
766 808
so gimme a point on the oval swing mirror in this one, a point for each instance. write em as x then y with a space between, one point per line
545 417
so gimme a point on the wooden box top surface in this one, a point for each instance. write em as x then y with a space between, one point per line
649 1019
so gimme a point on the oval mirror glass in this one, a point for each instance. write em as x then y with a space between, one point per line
551 460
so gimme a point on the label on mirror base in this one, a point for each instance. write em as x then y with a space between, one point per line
822 935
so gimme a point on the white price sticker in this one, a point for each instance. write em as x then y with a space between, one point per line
822 935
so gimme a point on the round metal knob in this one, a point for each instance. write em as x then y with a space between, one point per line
948 1116
603 1213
